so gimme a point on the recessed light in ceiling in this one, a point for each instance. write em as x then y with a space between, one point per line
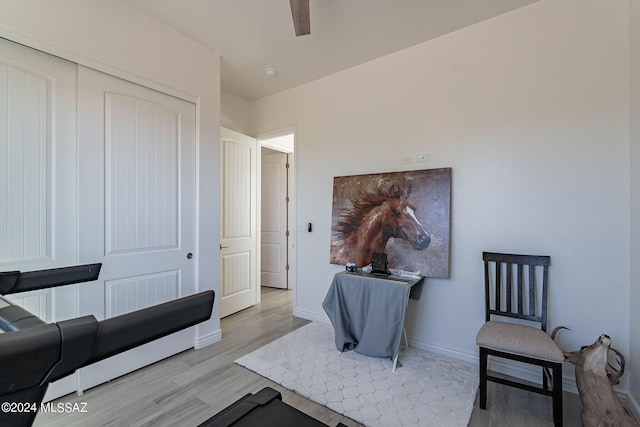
271 72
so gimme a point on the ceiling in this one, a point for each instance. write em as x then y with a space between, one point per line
253 35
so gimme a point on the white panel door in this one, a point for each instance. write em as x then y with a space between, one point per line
38 178
273 226
238 223
137 208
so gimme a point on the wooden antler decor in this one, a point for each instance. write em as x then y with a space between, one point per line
596 377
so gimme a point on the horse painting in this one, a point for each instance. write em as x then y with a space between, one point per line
386 213
374 219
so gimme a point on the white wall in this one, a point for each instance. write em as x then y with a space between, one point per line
111 37
235 113
531 111
634 301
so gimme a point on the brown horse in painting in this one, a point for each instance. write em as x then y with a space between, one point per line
374 219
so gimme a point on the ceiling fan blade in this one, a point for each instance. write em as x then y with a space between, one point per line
301 20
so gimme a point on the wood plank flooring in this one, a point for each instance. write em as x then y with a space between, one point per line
188 388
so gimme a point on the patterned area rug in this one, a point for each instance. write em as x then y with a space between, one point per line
428 390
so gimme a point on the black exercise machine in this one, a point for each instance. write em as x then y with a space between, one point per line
34 353
265 408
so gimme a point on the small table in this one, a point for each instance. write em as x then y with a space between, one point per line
368 312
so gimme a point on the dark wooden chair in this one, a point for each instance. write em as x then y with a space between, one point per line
512 291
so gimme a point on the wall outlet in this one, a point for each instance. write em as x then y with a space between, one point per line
424 157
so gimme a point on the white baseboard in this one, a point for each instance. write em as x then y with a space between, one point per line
444 351
208 339
309 315
506 367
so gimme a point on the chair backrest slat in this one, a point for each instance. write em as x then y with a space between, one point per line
532 289
498 287
509 286
487 291
520 291
545 290
499 292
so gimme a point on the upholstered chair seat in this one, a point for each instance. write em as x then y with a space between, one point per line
519 339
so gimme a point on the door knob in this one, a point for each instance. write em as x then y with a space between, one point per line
189 255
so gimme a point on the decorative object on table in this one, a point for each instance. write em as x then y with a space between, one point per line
403 214
429 389
379 263
351 267
595 378
516 288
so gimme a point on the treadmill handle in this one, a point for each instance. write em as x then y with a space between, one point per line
121 333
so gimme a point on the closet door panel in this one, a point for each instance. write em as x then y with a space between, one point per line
137 208
38 178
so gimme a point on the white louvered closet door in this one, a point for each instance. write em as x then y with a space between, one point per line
137 208
38 178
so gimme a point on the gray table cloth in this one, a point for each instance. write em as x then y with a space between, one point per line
367 313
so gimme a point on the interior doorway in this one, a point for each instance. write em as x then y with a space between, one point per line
276 218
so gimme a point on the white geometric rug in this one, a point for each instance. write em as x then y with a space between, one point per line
428 390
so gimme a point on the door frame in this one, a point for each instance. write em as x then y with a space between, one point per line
291 211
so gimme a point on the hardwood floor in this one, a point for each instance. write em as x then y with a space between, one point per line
188 388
